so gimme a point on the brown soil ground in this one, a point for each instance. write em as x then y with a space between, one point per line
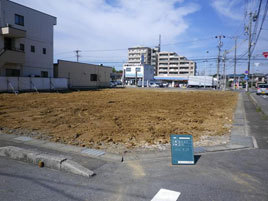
111 117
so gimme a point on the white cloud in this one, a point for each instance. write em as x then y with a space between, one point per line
229 8
95 24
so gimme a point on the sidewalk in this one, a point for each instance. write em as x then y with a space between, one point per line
52 150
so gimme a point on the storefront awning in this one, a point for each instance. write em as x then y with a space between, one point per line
171 78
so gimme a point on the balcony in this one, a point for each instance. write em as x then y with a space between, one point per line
173 70
12 57
13 32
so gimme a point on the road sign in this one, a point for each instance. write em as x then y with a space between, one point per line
265 54
182 151
246 77
246 72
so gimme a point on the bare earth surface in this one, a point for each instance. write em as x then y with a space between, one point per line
118 118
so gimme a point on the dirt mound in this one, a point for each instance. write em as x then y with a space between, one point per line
128 117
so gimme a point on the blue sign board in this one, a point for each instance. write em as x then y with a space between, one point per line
246 77
182 152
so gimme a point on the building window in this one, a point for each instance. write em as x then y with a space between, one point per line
32 48
93 77
19 20
128 69
22 47
44 74
12 72
138 69
44 51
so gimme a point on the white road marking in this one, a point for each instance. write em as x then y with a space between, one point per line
255 144
185 162
166 195
22 138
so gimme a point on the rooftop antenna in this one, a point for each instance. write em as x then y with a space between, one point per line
159 45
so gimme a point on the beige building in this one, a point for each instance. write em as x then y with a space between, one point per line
82 75
173 65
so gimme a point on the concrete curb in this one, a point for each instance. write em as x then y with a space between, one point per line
50 161
257 104
253 100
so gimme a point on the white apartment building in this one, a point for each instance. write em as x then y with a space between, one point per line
143 55
172 65
139 55
26 41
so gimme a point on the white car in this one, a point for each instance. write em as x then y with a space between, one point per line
153 84
262 89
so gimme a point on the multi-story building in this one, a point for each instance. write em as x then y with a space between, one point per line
154 58
26 41
143 55
173 65
139 55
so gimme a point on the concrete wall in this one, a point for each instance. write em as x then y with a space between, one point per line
32 84
39 33
79 74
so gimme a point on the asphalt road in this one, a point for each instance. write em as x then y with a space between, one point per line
258 123
236 175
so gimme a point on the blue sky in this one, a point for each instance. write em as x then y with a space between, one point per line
104 29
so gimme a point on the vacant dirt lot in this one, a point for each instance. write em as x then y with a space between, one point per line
122 117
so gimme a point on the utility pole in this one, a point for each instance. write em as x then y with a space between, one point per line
235 63
224 70
249 48
77 55
206 68
220 44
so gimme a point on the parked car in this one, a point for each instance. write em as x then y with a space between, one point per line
119 82
113 84
153 84
165 84
262 89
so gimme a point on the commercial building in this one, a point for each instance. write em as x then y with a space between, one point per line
26 41
82 75
138 74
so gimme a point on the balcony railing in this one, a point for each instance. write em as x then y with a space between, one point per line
12 56
13 32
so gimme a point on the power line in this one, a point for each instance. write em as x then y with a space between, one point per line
263 19
125 49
